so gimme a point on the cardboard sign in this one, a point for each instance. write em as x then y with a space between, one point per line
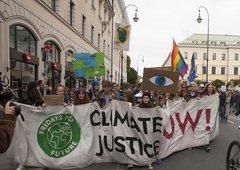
159 79
53 99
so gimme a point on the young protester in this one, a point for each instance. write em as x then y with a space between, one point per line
94 90
184 89
82 96
35 96
59 90
147 103
208 91
106 95
192 92
117 89
162 101
129 97
73 97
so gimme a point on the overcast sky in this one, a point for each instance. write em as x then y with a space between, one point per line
162 20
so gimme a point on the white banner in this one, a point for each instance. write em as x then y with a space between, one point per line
122 37
77 136
189 124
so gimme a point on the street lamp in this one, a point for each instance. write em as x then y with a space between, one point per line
137 62
199 20
135 19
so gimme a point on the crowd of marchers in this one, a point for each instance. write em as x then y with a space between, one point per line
104 93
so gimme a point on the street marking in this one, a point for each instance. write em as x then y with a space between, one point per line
230 122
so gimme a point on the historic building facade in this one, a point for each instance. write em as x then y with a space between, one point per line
29 28
223 57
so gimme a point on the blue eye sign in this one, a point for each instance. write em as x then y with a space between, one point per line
160 79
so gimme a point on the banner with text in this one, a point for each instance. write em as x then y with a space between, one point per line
190 124
78 136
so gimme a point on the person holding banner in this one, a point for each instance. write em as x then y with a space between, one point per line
106 95
178 94
73 99
82 97
146 103
146 100
208 91
7 125
162 101
184 89
59 90
192 92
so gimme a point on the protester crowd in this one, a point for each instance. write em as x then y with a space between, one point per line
108 91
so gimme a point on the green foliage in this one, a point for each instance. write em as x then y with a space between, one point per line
236 81
125 85
199 82
132 74
218 83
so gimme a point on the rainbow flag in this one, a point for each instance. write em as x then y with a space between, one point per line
178 63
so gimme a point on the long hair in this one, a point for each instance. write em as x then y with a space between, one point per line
86 98
205 91
130 97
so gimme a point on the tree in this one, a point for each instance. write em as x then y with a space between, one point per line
236 81
131 72
218 83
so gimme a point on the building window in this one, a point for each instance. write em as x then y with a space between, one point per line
213 70
204 70
213 42
53 5
213 56
204 56
236 56
22 74
223 56
99 40
83 25
222 70
22 40
104 45
92 33
186 55
69 56
235 70
195 55
54 56
72 5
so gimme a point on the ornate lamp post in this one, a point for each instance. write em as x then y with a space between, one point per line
135 19
199 20
137 62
